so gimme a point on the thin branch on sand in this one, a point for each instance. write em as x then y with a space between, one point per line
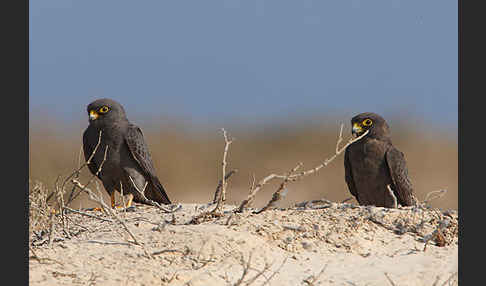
75 174
151 202
220 197
389 279
220 193
390 191
298 176
87 214
220 184
99 199
434 195
279 193
275 272
314 278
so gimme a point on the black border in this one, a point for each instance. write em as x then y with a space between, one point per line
470 150
15 140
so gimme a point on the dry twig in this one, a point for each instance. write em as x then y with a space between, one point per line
434 195
390 191
389 279
314 278
151 202
110 211
279 193
75 174
295 177
275 272
221 197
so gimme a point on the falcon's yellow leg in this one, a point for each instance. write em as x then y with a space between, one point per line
129 202
112 197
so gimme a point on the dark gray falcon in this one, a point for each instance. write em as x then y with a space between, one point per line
128 160
372 163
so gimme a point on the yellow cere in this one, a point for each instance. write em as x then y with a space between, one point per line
93 114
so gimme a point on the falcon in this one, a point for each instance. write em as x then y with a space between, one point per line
374 168
127 166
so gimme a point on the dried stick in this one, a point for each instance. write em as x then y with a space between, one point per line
99 199
275 272
346 200
87 214
434 195
266 267
292 178
450 278
76 172
220 184
390 191
330 159
220 193
246 268
110 211
313 279
437 234
278 193
221 198
389 279
151 202
105 207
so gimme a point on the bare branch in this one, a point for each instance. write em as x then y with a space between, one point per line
390 191
220 184
87 214
434 195
279 192
389 279
151 202
292 178
275 272
314 278
330 159
76 172
221 198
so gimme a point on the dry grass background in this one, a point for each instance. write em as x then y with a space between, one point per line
188 161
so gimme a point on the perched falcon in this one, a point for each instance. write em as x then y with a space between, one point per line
128 160
372 163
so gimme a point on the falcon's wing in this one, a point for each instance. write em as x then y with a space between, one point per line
139 149
348 175
140 152
88 148
399 173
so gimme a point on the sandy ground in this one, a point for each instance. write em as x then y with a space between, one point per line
320 244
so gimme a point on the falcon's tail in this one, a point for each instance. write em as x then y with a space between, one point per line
158 193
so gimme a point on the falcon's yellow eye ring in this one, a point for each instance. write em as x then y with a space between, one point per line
367 122
104 109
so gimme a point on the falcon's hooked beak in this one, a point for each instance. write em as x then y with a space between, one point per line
357 129
93 115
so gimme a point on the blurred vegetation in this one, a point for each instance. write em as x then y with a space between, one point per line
188 159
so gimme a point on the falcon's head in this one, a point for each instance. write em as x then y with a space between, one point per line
377 126
105 111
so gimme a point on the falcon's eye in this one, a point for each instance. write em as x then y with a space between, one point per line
367 122
104 109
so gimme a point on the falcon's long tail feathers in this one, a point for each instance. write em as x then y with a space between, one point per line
158 193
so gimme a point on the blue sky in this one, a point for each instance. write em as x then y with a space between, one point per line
246 61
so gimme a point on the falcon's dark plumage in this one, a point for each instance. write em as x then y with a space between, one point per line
128 155
372 163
